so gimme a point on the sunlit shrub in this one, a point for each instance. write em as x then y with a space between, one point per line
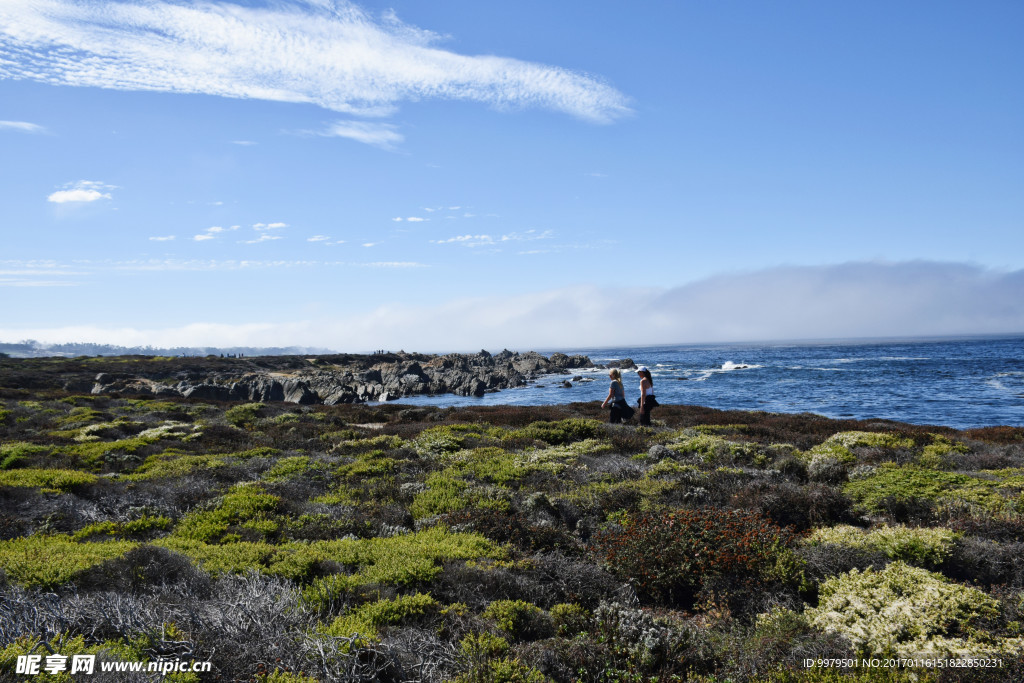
49 561
49 480
562 431
906 483
918 546
505 670
245 507
908 612
569 619
366 620
520 619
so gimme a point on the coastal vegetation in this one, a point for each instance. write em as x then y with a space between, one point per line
295 543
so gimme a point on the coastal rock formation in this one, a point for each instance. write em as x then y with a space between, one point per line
328 379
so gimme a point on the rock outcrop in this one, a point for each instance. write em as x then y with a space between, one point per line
342 378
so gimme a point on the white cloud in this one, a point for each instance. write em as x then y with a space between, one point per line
318 238
215 229
243 143
332 54
83 191
21 126
203 237
65 196
381 135
416 219
168 238
262 238
468 240
269 226
489 241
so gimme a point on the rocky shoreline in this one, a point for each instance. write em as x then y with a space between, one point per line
325 379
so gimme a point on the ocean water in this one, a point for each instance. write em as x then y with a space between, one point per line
960 383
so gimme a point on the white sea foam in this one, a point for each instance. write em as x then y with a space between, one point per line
729 366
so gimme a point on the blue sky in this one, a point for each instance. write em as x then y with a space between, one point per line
456 175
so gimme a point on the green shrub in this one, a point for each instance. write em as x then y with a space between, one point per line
144 526
366 620
520 619
561 432
244 415
483 646
918 546
668 555
246 507
48 480
505 670
710 448
408 559
570 619
13 454
892 482
49 561
907 612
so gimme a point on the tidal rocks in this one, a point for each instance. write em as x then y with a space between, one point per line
340 378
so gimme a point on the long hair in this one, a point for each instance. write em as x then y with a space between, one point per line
646 374
616 376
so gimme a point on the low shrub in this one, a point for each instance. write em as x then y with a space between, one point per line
366 620
244 415
50 561
520 619
562 432
908 612
668 556
47 480
922 547
892 484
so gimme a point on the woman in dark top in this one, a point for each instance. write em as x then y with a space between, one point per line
616 397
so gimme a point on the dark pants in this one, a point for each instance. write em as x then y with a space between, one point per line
616 415
645 414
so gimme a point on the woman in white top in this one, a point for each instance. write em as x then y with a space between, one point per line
647 400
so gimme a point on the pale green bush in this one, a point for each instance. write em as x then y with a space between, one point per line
908 612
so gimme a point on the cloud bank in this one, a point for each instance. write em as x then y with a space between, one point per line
852 300
331 54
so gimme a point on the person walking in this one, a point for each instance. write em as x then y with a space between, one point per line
647 400
616 399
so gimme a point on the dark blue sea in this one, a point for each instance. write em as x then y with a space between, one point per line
960 383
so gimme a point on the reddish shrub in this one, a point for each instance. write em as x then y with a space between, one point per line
669 556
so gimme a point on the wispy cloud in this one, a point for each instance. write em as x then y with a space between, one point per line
491 241
269 226
167 238
383 135
21 126
84 191
329 53
37 274
262 238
